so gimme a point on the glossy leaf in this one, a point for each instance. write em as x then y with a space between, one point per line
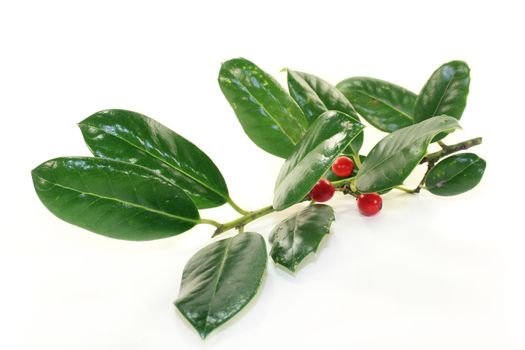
113 198
384 105
221 279
297 237
268 115
316 96
456 174
132 137
445 92
327 138
394 157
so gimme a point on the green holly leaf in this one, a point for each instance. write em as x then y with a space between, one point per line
456 174
316 96
445 92
394 157
268 115
221 279
134 138
384 105
114 199
327 138
298 236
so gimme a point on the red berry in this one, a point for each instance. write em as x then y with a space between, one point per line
369 203
322 191
343 166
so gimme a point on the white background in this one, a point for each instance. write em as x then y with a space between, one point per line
427 273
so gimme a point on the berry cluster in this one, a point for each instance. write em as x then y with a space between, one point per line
368 203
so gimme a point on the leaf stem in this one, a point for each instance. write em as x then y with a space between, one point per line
357 160
341 183
209 222
442 144
434 157
243 220
422 182
347 190
236 207
404 189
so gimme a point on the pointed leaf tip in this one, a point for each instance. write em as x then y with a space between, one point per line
298 236
221 279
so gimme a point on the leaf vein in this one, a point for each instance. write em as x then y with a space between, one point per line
204 184
404 114
123 202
